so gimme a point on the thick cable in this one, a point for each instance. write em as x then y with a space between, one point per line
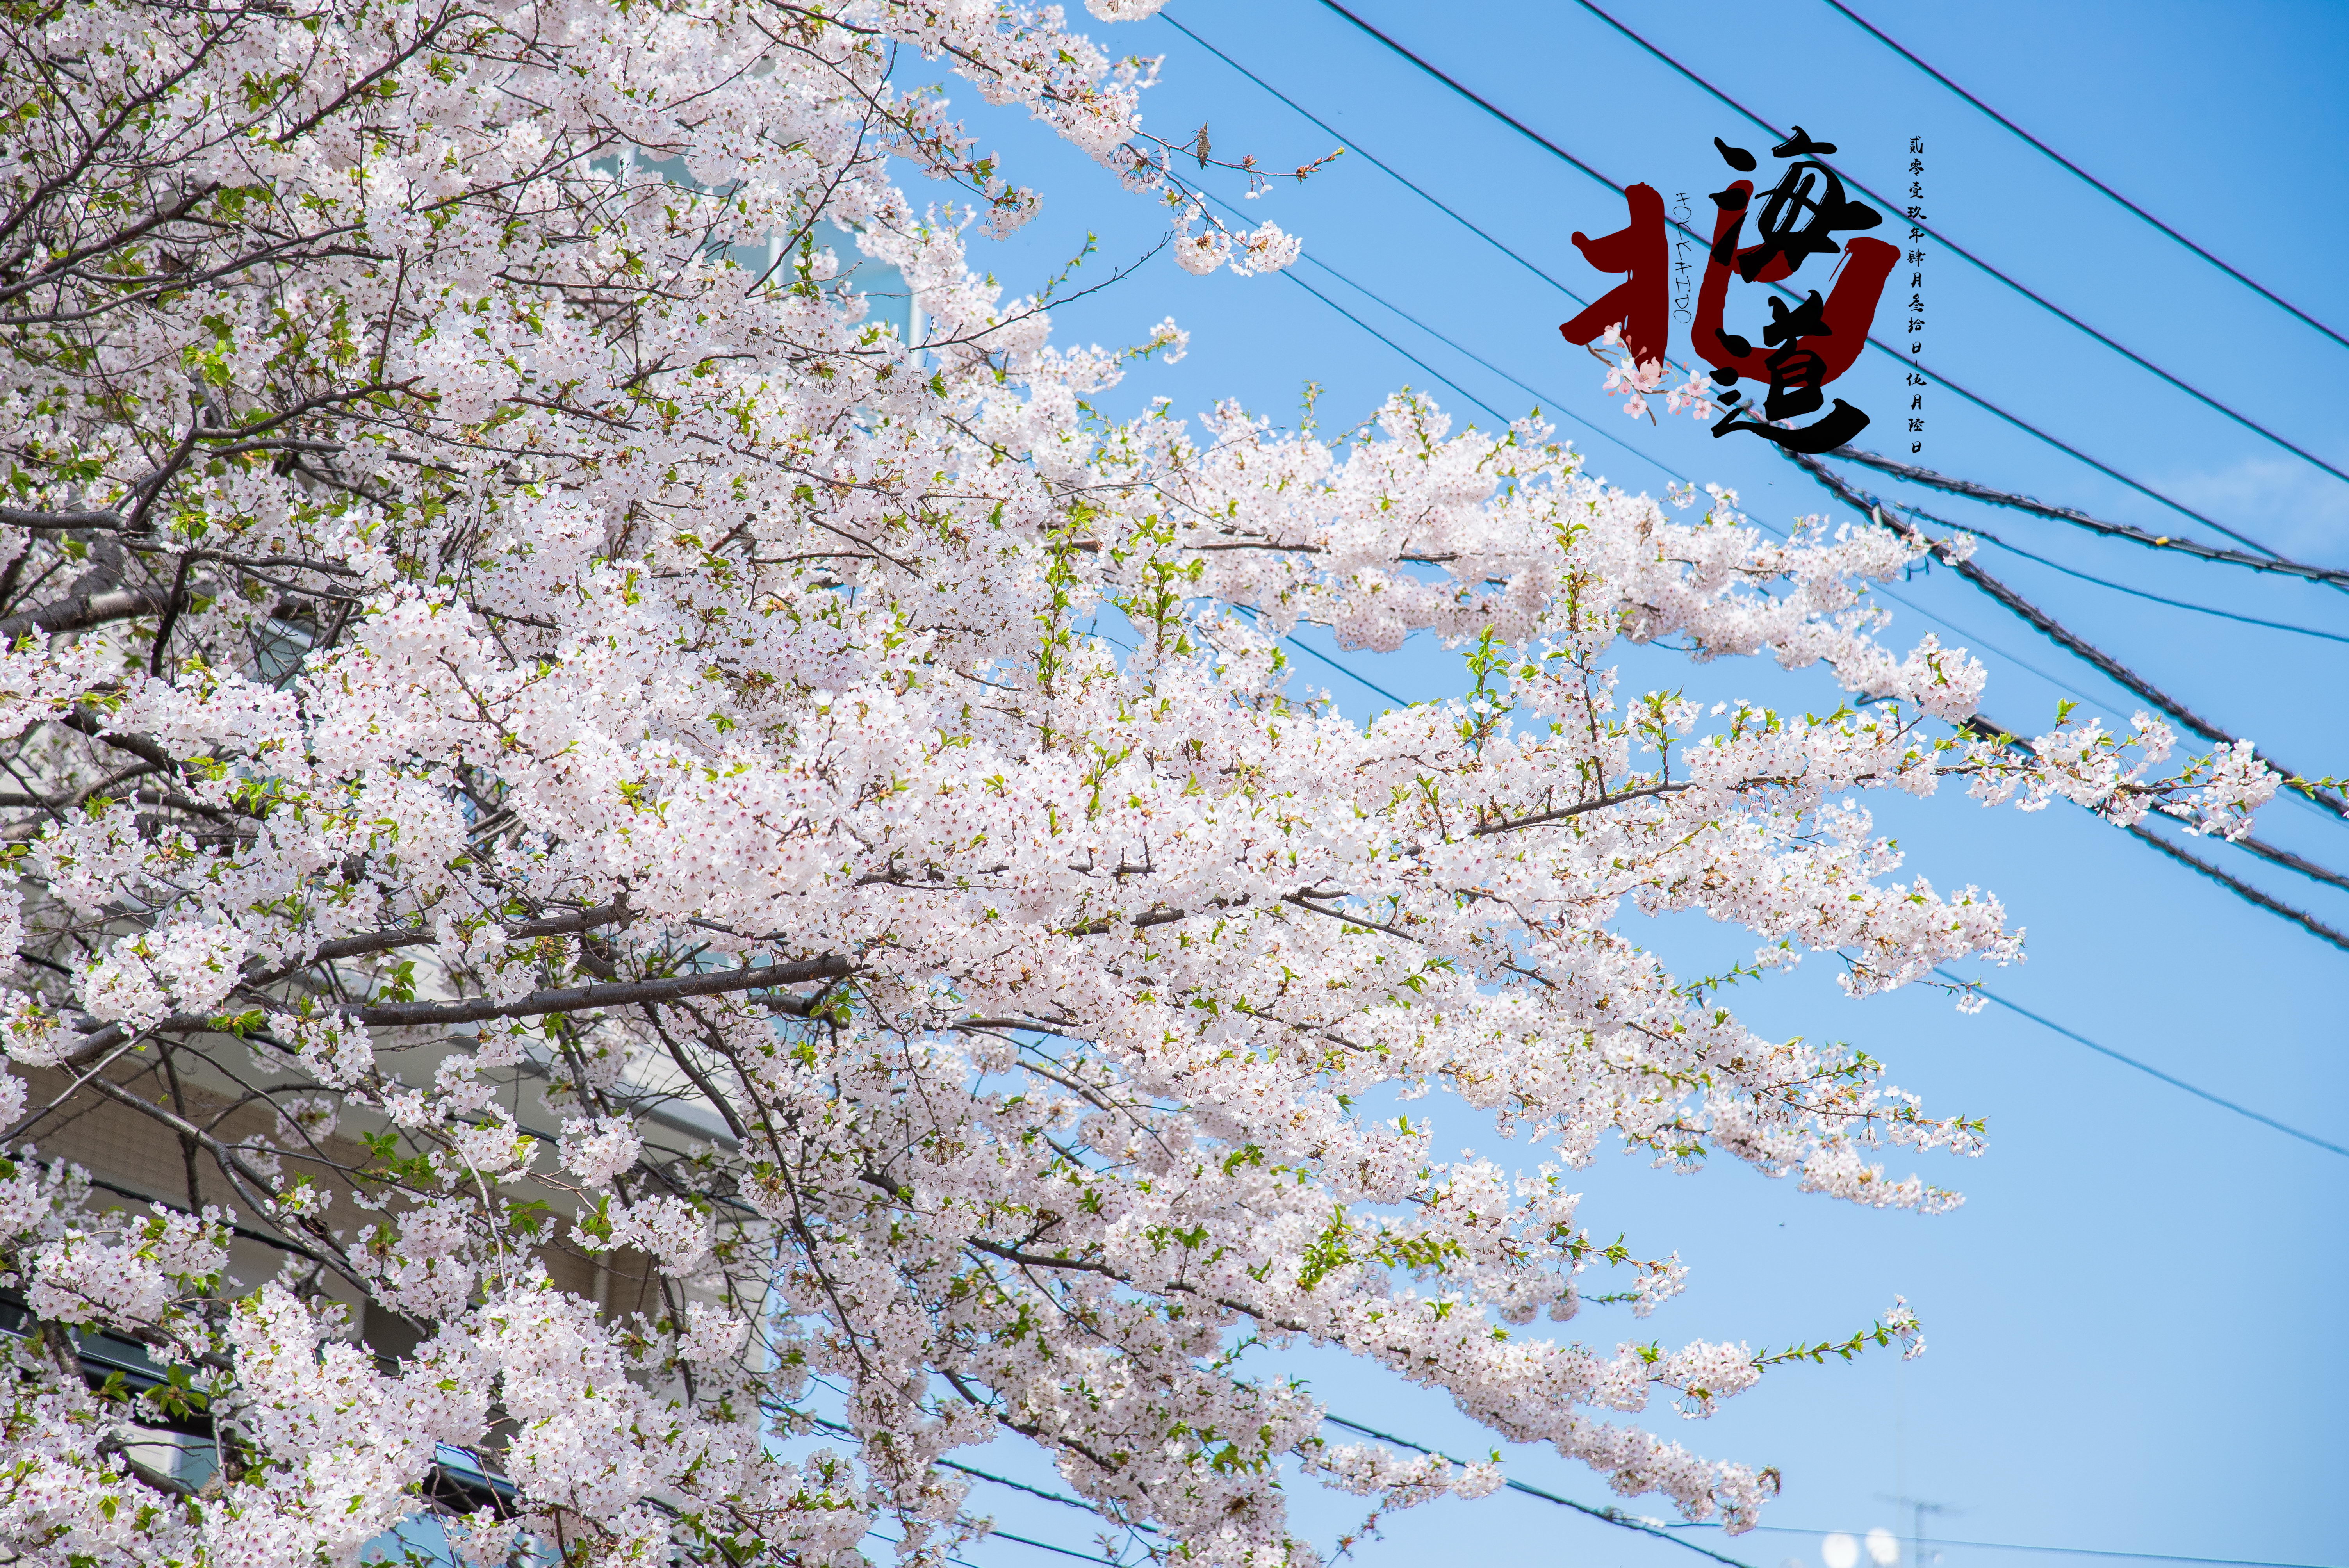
2243 890
2147 594
1917 474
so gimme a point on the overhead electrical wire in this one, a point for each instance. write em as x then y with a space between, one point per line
1978 401
1991 539
1094 1557
1972 491
1351 675
2103 663
2077 1038
2239 888
2132 355
2262 290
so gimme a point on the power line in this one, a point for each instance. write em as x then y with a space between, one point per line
1981 492
2122 587
1539 396
2199 1093
1963 391
1291 275
2045 303
2245 890
2266 294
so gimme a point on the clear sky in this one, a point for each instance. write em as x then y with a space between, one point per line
2135 1322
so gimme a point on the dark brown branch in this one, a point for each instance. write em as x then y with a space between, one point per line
567 999
387 941
83 610
1537 818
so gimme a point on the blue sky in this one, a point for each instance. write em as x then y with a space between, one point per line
2134 1320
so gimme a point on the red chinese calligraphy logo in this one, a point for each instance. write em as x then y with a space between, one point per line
1804 346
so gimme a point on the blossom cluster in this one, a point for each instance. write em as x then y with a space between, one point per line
1636 380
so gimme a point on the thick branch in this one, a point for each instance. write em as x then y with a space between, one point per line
567 999
84 611
387 941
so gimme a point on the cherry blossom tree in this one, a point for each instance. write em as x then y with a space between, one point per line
485 606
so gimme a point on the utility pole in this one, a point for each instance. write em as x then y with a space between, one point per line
1919 1508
